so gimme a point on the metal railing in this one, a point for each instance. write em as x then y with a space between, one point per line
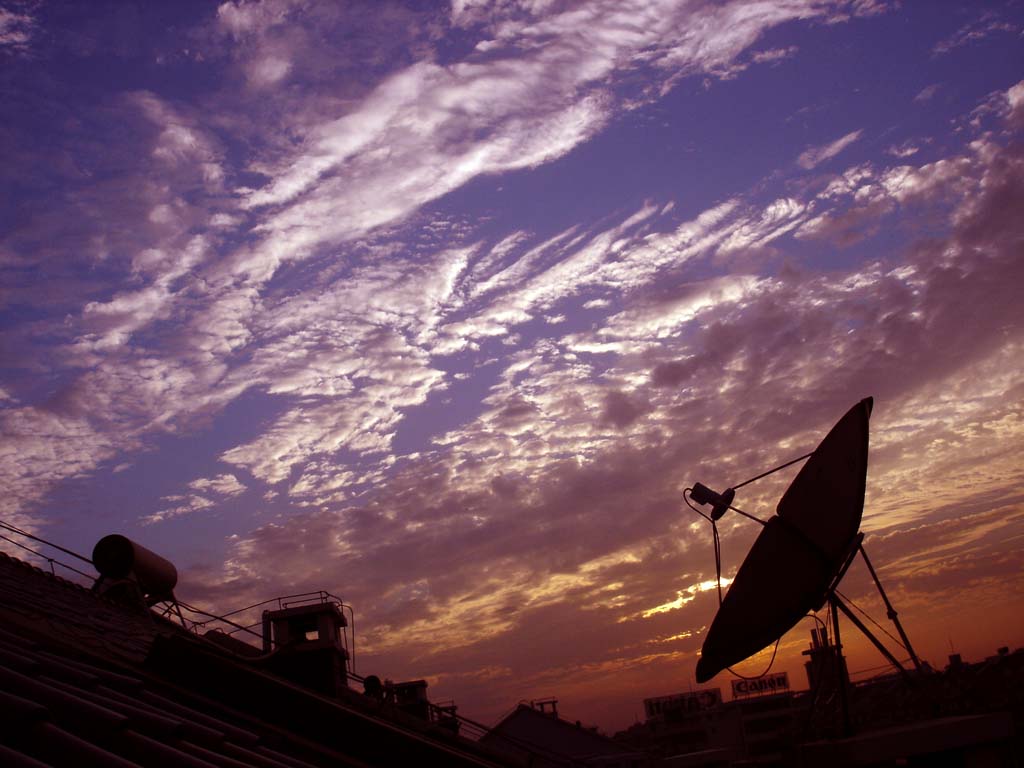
213 621
51 561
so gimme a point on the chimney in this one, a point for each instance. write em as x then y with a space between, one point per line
410 696
826 665
306 645
546 706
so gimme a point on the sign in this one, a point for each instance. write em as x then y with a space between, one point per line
759 686
681 703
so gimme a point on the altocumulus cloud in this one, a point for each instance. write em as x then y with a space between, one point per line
421 378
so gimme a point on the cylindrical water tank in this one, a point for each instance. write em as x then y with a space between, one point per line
118 557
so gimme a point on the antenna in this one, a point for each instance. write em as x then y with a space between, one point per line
802 552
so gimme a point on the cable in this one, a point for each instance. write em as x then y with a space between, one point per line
771 471
26 534
879 667
716 539
868 617
815 616
686 498
50 560
193 609
718 560
767 669
717 543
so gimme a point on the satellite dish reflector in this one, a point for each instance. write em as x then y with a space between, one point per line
800 551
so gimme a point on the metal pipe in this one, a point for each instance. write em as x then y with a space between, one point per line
771 471
840 667
890 611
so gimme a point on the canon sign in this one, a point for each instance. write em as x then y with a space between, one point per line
759 686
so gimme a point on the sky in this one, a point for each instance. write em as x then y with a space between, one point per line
440 307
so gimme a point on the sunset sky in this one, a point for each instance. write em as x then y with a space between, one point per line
440 306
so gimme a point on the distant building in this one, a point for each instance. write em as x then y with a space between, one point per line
969 715
683 733
536 729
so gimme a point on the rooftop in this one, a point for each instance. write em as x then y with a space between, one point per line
85 680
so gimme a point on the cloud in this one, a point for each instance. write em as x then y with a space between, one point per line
774 56
561 497
1015 101
222 485
814 156
181 145
109 411
269 39
927 93
188 505
906 149
198 499
389 375
16 31
428 128
299 436
265 35
987 24
477 116
42 446
476 430
270 70
111 323
248 17
697 344
347 376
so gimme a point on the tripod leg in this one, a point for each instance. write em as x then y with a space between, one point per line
890 611
867 633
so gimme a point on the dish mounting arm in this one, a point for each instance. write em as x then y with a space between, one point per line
837 602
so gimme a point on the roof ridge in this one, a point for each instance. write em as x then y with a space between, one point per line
161 621
24 563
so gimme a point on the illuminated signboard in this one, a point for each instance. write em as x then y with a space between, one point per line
759 686
679 703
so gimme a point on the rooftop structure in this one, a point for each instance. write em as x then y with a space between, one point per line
95 677
970 714
537 728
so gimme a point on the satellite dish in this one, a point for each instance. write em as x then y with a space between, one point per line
801 552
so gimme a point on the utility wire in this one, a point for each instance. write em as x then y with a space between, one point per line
48 559
26 534
193 609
